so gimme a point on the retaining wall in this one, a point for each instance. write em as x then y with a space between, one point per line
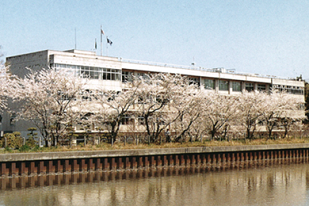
83 161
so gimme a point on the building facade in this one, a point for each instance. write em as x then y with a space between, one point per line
111 72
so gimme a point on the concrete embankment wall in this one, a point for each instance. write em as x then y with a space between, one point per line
112 160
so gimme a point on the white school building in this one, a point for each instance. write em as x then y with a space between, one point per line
111 72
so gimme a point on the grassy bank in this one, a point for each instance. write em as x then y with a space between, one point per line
120 145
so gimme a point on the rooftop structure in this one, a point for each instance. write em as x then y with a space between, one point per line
112 71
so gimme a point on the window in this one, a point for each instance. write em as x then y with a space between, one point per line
261 87
249 87
194 80
209 84
223 85
127 120
290 89
127 76
91 72
236 86
141 120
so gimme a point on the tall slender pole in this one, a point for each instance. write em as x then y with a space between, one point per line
101 33
75 38
106 46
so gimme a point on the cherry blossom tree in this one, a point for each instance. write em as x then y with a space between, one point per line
277 106
49 99
188 106
155 100
3 84
251 105
219 110
3 89
111 107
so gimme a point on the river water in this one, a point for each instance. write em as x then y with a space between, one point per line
285 184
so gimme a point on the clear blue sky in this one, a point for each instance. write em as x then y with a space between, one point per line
253 36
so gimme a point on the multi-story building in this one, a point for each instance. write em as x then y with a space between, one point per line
111 72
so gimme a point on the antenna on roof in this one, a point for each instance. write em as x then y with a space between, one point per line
193 62
75 37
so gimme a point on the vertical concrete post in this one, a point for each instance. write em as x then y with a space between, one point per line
193 159
83 165
223 158
197 159
127 163
90 164
140 162
134 163
22 168
297 154
50 167
113 163
188 160
152 161
203 159
182 160
106 165
66 166
165 161
120 163
267 155
31 168
75 166
41 167
13 168
177 160
159 162
146 161
218 158
208 159
233 157
98 164
171 160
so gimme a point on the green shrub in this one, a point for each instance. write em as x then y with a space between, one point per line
24 148
7 149
14 140
31 142
37 148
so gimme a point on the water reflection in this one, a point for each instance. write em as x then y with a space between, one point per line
273 185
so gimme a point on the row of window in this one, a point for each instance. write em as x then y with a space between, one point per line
91 72
290 89
116 75
236 86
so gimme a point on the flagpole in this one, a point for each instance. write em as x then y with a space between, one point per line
106 46
101 39
75 37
